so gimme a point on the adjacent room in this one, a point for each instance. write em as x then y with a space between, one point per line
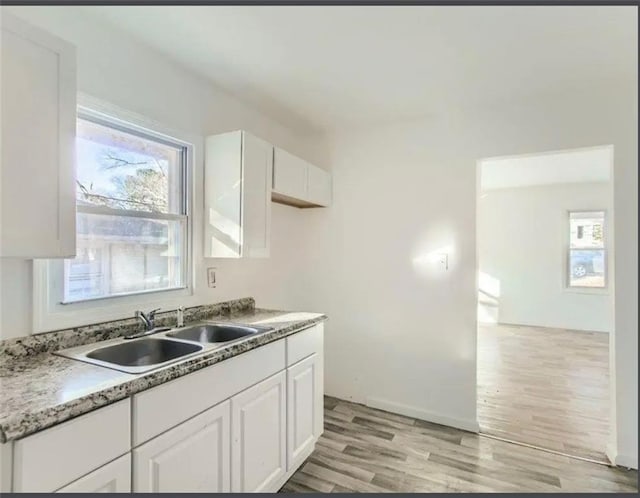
318 248
545 306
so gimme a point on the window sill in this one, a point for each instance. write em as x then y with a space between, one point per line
588 290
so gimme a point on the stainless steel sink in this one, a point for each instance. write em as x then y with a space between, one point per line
142 355
217 333
144 352
136 356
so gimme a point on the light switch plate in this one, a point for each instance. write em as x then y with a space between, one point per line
211 277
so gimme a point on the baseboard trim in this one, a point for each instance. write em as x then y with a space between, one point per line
628 461
419 413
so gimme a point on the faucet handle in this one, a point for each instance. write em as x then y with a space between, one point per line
152 313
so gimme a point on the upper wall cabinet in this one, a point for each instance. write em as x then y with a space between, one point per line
37 162
299 183
237 193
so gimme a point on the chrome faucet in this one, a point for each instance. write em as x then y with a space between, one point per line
148 319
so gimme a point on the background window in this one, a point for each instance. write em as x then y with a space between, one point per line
587 252
132 215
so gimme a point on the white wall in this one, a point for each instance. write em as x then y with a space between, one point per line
522 244
117 69
403 335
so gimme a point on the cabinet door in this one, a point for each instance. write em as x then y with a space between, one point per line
318 186
258 446
37 159
223 196
304 409
114 477
289 175
192 457
257 164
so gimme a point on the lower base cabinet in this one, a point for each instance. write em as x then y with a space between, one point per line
258 436
114 477
193 457
244 425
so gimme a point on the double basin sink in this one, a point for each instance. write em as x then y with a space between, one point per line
163 348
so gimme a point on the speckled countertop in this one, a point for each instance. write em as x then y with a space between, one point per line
40 390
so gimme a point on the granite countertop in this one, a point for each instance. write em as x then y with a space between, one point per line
42 390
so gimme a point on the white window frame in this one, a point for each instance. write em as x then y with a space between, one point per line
49 313
584 289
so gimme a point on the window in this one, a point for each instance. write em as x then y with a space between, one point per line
131 212
587 253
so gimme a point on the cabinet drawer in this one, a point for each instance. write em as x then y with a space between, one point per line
54 457
165 406
304 344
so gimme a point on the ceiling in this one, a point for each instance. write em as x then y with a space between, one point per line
319 68
591 164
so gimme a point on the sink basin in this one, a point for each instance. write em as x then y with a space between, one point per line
143 352
136 356
217 332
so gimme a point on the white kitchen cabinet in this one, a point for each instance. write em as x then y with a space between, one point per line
289 175
237 193
304 408
258 436
297 182
193 457
37 159
114 477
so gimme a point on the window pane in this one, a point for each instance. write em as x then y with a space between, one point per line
125 171
122 254
586 268
586 230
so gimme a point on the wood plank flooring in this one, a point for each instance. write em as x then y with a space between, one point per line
368 450
545 387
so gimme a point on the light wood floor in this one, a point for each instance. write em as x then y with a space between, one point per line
545 387
368 450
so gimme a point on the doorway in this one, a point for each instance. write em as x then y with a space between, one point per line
545 299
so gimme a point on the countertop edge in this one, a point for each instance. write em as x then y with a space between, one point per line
26 424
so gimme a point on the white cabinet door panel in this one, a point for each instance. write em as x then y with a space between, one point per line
257 163
192 457
37 160
114 477
318 186
289 174
304 407
258 428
